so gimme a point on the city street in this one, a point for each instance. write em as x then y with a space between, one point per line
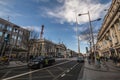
61 70
60 40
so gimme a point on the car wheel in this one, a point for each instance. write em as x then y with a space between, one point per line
41 66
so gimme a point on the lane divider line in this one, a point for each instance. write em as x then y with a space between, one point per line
64 72
5 74
63 75
34 71
74 65
50 73
60 68
68 70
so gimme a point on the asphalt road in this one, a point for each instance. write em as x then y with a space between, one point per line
61 70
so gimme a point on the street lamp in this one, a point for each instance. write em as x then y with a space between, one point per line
77 34
91 30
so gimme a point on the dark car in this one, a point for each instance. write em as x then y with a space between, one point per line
40 62
80 59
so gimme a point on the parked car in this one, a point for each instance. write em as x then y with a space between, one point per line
80 59
40 62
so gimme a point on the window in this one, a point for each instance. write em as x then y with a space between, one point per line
19 38
1 26
5 35
109 38
14 37
15 30
9 28
118 25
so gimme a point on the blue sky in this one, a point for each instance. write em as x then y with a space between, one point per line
58 17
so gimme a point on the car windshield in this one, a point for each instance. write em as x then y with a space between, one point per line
80 57
59 39
38 58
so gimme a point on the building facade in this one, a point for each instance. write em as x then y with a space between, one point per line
13 39
47 48
71 53
108 41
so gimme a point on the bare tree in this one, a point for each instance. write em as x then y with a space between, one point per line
30 38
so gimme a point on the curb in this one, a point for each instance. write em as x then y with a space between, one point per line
100 70
114 68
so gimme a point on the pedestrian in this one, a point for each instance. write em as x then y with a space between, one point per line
31 57
89 59
115 59
46 61
98 60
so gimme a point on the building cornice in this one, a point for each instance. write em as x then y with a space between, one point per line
106 24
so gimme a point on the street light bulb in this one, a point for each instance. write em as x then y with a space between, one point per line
79 14
98 19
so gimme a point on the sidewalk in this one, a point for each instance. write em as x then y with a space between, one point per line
111 65
13 64
91 72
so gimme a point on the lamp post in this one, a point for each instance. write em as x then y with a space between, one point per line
91 31
77 34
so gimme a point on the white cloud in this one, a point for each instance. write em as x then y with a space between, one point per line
66 12
70 9
60 1
34 28
3 3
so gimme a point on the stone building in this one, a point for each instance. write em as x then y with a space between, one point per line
47 48
108 41
13 39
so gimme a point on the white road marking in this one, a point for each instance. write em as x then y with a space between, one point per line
6 74
60 68
68 70
63 75
74 65
33 71
30 76
50 73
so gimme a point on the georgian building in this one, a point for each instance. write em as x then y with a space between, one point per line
61 50
71 53
13 38
47 48
108 41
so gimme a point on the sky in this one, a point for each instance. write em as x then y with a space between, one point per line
58 17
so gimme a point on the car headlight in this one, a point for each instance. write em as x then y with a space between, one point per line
36 62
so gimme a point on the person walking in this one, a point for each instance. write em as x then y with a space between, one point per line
89 59
98 61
